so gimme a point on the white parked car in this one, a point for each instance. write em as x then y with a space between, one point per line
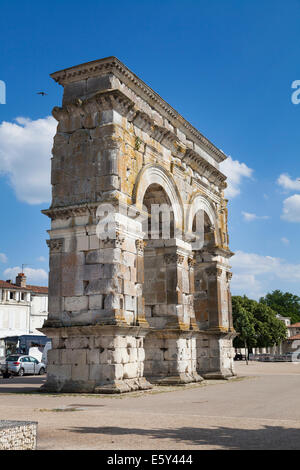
19 364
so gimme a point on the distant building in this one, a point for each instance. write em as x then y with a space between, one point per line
286 320
293 338
293 330
279 348
23 307
288 345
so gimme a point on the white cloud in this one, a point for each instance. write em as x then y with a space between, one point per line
285 241
250 217
235 172
34 276
25 152
3 258
286 182
253 274
291 208
247 284
41 259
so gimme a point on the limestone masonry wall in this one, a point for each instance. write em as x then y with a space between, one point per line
129 304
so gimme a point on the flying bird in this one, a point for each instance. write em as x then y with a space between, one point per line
42 93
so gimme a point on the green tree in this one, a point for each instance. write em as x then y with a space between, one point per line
269 329
244 323
283 303
256 324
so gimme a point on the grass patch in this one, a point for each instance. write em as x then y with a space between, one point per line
59 410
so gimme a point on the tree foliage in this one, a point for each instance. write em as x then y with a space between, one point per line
283 303
256 324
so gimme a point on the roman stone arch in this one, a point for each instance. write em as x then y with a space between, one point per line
122 305
157 174
197 203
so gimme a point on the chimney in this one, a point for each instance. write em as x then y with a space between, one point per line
21 280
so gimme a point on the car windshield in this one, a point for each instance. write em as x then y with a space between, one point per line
12 358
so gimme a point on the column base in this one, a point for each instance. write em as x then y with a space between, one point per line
96 359
215 355
218 375
117 386
124 386
180 379
170 357
69 386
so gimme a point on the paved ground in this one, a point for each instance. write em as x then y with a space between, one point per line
260 410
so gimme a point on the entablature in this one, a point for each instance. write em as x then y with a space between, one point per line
111 66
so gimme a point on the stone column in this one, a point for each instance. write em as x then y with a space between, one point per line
214 296
170 348
214 343
230 319
96 314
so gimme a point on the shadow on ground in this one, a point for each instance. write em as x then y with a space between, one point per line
267 437
25 384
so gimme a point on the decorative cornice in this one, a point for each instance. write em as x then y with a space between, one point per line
202 166
113 65
116 99
103 100
70 211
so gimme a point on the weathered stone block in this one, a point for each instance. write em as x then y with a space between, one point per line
96 301
76 303
120 148
80 372
93 356
59 371
130 371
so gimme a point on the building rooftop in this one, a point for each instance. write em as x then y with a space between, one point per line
295 325
293 337
28 288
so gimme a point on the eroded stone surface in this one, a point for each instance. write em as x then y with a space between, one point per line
18 435
126 306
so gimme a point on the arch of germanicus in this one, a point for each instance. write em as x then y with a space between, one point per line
139 258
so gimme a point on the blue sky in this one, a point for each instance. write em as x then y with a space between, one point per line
226 66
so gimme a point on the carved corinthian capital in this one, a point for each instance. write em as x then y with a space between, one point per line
55 245
140 245
174 258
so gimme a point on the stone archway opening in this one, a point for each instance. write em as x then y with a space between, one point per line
159 240
212 304
203 261
167 290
